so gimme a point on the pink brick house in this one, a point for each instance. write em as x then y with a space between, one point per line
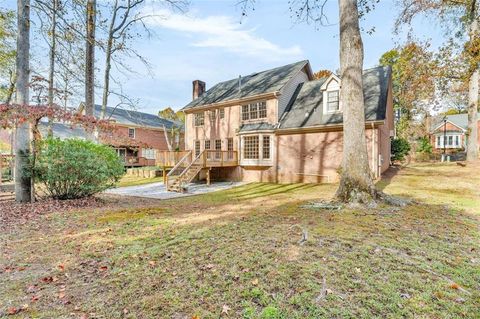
281 126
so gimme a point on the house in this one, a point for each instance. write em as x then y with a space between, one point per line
449 132
281 126
140 139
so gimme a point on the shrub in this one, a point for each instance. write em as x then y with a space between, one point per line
76 168
400 148
424 146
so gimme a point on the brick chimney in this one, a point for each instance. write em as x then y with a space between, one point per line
198 88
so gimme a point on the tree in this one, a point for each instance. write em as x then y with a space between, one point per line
460 20
322 74
23 184
90 57
356 184
7 55
172 136
414 72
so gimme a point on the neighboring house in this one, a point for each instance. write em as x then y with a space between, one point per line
450 134
283 126
137 137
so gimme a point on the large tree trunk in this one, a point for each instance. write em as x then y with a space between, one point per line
356 184
472 139
90 59
51 71
23 185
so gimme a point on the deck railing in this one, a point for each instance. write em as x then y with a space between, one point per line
6 166
217 158
179 168
169 158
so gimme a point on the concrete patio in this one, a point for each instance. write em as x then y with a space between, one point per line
158 190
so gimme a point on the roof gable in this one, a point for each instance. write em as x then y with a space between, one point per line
306 106
458 120
268 81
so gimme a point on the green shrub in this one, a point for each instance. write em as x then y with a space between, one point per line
400 148
76 168
424 146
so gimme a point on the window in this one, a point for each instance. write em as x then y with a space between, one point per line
439 141
254 111
131 132
199 119
221 113
266 146
149 153
332 101
251 148
197 148
450 140
207 144
213 115
457 140
218 147
230 148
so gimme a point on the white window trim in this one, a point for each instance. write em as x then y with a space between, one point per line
260 161
328 86
440 145
151 152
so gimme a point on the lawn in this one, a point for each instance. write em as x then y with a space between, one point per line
239 254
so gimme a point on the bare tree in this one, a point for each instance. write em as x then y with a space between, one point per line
23 184
90 58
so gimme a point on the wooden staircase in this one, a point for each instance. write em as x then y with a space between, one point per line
188 167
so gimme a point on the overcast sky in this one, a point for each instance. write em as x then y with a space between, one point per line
212 43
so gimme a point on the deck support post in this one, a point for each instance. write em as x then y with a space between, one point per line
164 172
208 177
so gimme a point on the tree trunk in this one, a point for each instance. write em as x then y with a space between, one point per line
90 59
106 83
167 139
51 71
472 139
23 185
356 184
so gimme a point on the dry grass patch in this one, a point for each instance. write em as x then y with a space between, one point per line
238 254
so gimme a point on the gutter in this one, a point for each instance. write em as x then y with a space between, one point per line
323 128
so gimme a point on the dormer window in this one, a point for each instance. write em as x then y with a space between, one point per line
199 119
331 95
333 104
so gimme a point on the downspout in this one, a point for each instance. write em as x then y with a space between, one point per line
374 166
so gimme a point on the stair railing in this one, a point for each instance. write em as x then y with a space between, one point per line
178 169
199 160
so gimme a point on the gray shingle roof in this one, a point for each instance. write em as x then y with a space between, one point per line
305 109
62 131
262 126
129 117
460 120
268 81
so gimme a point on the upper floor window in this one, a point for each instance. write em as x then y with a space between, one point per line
333 101
199 119
221 113
131 132
254 111
213 115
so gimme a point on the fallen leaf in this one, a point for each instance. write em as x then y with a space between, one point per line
225 309
34 298
61 267
151 263
255 281
13 311
454 285
103 268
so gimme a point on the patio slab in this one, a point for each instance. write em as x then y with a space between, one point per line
158 190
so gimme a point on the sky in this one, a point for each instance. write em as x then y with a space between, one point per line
212 42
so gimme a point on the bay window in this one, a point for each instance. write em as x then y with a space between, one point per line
256 150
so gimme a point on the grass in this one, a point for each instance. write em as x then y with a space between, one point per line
236 254
131 180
